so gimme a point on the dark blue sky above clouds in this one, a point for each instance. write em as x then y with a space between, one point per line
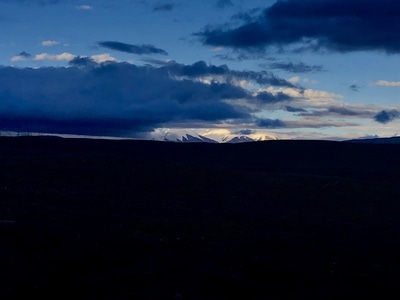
154 69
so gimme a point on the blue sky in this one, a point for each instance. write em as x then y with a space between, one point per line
294 69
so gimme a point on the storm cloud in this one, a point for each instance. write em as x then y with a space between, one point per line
335 25
134 49
122 99
108 99
386 116
270 123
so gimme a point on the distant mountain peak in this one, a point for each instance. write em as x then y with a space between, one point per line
240 139
188 138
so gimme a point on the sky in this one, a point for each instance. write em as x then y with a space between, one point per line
149 69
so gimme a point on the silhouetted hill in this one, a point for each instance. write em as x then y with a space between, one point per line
390 140
123 219
325 157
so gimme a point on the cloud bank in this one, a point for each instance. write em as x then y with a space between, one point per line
119 98
335 25
97 96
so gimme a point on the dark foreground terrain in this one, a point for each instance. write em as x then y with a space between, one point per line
96 219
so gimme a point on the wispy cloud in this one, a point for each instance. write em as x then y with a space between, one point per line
105 57
50 43
65 56
294 109
339 111
134 49
201 69
21 56
295 67
308 97
85 61
55 57
84 7
388 83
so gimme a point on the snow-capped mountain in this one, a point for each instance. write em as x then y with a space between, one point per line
240 139
246 139
196 139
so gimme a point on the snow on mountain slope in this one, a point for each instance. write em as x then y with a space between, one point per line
188 138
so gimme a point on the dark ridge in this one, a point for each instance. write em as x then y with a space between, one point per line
304 156
390 140
124 219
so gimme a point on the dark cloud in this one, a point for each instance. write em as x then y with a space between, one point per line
109 99
224 3
336 25
200 68
337 110
296 68
163 7
294 109
245 131
343 111
134 49
122 99
82 61
354 87
386 116
24 54
267 97
270 123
